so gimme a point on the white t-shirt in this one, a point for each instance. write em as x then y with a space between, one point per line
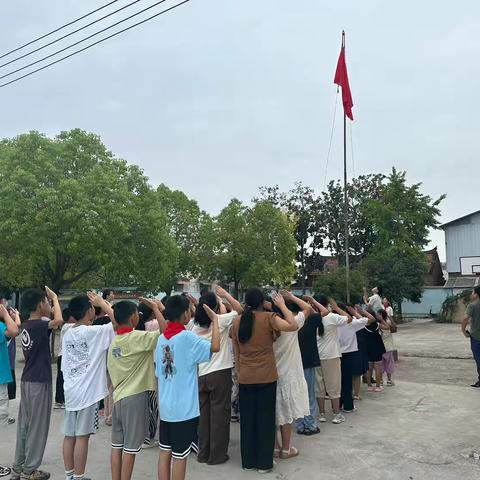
84 365
388 339
389 311
224 358
287 353
375 302
347 335
328 346
66 327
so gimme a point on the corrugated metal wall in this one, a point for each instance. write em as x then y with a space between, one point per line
462 240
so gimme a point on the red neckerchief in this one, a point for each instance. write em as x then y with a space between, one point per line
173 328
123 330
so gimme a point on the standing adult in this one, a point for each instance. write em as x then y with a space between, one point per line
472 317
108 295
215 378
253 334
375 301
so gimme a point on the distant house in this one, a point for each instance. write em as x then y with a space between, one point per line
434 277
462 241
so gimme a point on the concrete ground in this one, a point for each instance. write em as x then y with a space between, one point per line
424 428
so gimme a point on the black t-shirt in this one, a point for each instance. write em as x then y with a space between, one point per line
307 339
36 350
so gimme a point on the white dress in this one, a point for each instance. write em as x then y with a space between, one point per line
292 392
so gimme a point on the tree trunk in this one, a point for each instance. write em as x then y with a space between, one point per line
302 269
399 309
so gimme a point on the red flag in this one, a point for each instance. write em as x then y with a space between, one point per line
341 79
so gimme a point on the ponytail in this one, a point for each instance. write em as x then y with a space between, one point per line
245 328
254 299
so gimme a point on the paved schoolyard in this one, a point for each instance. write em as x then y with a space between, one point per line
425 428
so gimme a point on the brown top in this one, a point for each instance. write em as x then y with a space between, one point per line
255 359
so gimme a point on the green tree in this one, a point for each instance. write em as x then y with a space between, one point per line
71 213
192 231
400 219
301 206
331 216
334 284
231 259
255 246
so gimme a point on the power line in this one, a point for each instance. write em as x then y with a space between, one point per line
31 52
330 142
58 29
81 40
93 44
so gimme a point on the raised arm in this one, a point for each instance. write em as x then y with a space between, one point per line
57 310
307 309
370 317
215 329
287 323
317 306
12 328
98 301
353 312
222 293
365 296
338 310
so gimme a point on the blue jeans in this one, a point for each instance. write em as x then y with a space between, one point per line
475 344
309 422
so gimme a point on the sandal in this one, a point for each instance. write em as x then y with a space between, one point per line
286 454
357 397
276 453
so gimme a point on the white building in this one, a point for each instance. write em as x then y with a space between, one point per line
462 241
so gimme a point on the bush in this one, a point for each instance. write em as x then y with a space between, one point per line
451 304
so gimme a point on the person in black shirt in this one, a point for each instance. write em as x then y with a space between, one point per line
307 339
36 386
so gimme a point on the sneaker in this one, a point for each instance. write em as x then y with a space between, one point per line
322 418
309 432
150 444
59 406
248 469
11 421
15 474
264 471
337 419
370 388
476 385
35 475
391 383
349 411
378 389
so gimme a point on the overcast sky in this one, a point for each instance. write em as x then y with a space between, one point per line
219 97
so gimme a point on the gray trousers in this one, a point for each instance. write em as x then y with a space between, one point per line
33 425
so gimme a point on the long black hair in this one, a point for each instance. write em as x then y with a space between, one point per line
145 314
254 299
201 317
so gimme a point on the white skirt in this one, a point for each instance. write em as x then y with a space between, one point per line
292 400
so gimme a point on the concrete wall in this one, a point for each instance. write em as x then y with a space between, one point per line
462 239
430 304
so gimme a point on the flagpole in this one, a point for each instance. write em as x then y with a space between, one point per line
345 195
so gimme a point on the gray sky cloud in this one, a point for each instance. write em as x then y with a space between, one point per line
219 97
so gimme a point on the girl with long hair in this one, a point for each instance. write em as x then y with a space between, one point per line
253 335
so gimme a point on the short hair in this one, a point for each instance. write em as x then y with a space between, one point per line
106 292
79 306
30 301
66 314
321 299
477 290
123 311
175 307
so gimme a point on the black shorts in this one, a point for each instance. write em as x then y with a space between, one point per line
180 438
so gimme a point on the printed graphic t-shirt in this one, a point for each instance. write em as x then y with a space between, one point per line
130 363
176 366
84 365
36 350
5 372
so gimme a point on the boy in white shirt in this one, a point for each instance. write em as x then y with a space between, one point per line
84 370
